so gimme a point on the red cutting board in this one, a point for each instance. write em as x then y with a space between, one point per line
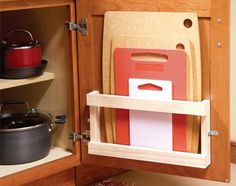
173 69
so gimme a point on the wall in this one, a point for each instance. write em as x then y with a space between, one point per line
232 71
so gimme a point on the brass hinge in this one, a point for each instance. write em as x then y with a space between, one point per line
76 136
81 26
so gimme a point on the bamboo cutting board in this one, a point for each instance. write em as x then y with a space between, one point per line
149 24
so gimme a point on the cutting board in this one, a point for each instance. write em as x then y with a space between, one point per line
167 65
155 43
150 129
150 24
165 43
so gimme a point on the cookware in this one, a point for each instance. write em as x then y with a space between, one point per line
23 72
155 64
24 136
15 54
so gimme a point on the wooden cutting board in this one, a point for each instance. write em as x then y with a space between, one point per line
150 129
164 43
149 24
167 65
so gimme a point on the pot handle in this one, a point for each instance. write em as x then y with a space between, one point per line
61 119
14 102
18 30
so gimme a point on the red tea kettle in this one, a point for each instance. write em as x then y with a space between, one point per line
16 55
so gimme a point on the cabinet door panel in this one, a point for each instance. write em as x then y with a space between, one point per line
215 63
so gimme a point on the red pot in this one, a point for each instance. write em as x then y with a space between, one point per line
17 55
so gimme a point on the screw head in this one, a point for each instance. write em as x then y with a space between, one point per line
219 45
219 20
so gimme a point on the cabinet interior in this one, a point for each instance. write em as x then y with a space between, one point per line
54 96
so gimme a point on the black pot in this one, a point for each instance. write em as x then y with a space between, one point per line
24 137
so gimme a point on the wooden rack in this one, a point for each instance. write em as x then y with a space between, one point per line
96 147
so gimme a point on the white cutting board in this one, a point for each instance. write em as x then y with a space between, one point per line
150 129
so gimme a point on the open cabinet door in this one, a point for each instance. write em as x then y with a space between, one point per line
213 20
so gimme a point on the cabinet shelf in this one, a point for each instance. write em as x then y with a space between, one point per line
96 147
10 83
55 153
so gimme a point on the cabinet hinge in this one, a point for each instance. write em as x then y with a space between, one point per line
81 26
213 133
84 136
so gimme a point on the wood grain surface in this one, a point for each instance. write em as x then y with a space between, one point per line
39 172
64 178
80 176
214 70
220 92
201 7
233 152
6 5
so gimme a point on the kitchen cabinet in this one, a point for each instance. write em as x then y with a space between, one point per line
56 91
75 69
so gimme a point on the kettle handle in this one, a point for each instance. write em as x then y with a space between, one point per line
17 30
14 102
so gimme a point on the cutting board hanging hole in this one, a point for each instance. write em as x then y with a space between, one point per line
154 57
188 23
180 46
150 86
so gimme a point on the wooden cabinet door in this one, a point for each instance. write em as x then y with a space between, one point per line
214 35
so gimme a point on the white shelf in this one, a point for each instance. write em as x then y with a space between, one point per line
96 147
55 153
10 83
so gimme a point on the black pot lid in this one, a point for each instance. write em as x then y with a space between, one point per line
23 121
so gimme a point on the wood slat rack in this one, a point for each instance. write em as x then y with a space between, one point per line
96 147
